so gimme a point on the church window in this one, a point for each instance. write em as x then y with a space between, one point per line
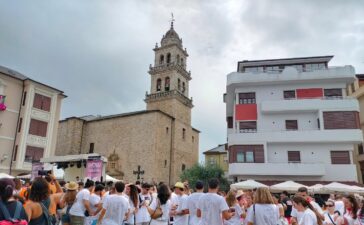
183 167
193 139
91 150
183 133
166 85
159 84
167 130
112 165
165 163
177 59
179 84
183 87
169 58
182 61
161 59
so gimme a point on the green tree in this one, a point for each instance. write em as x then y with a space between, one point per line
204 173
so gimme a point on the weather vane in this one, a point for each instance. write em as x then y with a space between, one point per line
172 20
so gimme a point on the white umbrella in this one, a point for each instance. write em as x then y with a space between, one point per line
26 176
5 175
110 178
248 184
358 189
339 187
317 188
289 186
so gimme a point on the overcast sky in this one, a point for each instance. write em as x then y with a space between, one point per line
98 52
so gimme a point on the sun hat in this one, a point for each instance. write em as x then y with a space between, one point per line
71 186
239 193
179 185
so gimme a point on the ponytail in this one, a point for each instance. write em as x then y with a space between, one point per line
307 204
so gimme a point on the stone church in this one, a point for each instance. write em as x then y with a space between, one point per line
159 139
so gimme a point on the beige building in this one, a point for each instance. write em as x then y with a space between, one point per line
218 156
29 115
159 139
356 90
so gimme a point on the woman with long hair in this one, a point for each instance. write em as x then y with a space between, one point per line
162 201
82 203
309 214
263 211
67 201
234 206
8 205
133 195
331 216
36 207
351 209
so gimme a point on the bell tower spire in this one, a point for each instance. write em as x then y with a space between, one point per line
169 90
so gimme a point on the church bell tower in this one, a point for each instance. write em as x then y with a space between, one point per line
169 90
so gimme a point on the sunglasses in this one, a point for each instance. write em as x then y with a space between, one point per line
330 205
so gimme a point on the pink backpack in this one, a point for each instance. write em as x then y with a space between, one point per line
12 221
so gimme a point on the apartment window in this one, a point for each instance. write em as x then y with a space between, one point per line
333 93
91 150
360 149
352 87
314 66
341 120
245 157
254 69
249 157
226 159
212 161
299 68
340 157
33 154
294 156
247 98
20 123
183 133
38 128
15 153
229 121
291 125
24 98
42 102
291 94
272 69
248 126
240 157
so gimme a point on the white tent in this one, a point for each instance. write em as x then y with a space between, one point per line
339 187
289 186
358 189
248 184
110 178
5 175
317 189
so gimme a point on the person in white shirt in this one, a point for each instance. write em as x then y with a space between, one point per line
296 216
309 215
133 198
161 201
192 202
179 205
351 210
211 207
263 211
82 203
95 204
142 216
115 207
234 207
332 216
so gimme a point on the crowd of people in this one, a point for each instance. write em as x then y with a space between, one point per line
45 201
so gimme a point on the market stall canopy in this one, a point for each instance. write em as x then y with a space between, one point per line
71 158
317 189
289 186
110 178
248 184
339 187
5 175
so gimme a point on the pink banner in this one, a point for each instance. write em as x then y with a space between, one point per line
94 169
35 168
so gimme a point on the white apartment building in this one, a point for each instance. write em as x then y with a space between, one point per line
290 119
28 123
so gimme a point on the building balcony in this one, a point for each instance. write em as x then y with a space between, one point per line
37 140
168 94
350 136
282 169
309 105
170 66
345 74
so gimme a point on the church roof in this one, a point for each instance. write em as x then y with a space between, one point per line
171 37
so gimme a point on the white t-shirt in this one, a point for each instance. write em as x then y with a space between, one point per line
267 214
132 210
143 215
192 202
116 207
211 206
165 209
94 200
181 201
236 219
327 218
308 218
339 206
78 208
298 215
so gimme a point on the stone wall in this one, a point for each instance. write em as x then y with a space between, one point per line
69 137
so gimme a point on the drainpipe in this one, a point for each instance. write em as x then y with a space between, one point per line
16 130
171 151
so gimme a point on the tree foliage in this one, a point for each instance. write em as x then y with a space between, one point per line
204 173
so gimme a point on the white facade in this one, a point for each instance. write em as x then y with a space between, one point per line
313 137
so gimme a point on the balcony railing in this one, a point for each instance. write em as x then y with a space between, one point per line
170 66
169 94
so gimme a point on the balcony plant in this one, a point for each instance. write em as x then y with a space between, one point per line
2 103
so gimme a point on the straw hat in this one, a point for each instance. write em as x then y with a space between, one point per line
239 193
71 186
179 185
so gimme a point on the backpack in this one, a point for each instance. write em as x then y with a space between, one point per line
45 214
15 220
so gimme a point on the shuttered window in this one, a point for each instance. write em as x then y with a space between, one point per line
340 157
42 102
247 98
38 128
341 120
248 127
246 154
229 121
291 125
289 94
33 154
333 93
294 156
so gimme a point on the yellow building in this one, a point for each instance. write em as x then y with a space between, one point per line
356 90
217 156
